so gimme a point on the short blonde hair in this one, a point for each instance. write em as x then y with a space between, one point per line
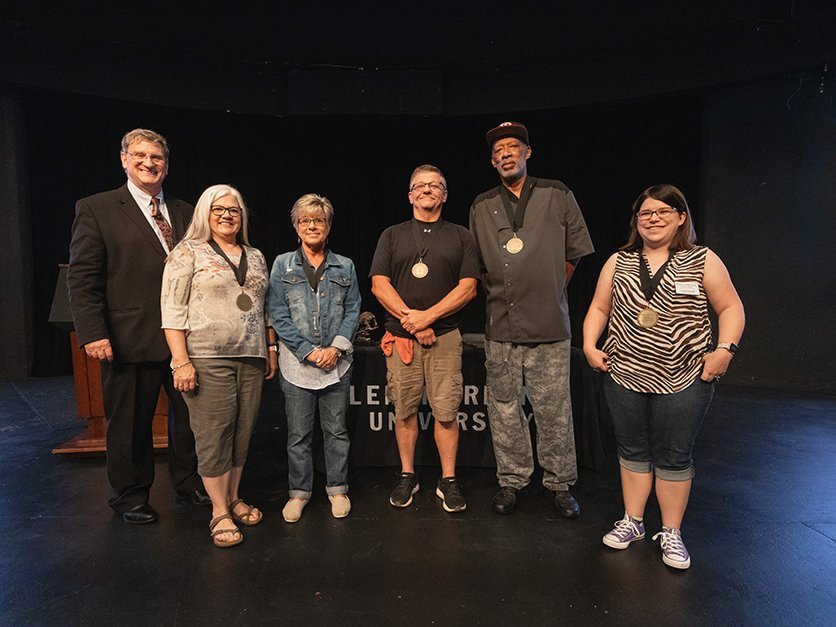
310 203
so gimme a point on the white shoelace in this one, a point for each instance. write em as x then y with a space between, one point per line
624 528
672 545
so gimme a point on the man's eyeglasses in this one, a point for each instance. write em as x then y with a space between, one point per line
435 187
141 156
218 211
306 222
664 213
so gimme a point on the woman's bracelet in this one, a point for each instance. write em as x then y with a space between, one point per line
173 367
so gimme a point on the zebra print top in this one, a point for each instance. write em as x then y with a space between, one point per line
667 357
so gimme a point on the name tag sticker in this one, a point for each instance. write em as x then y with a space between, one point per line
688 287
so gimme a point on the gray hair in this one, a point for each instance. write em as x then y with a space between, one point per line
199 227
310 203
143 133
426 168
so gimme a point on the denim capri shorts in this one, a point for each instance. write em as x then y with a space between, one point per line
656 432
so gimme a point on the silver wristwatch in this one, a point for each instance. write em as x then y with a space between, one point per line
729 346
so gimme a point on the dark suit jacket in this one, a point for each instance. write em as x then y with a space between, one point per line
115 274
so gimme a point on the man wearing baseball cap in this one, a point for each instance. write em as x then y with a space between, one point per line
530 234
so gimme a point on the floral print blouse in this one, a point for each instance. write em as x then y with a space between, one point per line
200 296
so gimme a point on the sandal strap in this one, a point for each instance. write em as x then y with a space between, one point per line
213 523
248 515
218 532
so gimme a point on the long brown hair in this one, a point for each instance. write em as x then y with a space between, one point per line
671 195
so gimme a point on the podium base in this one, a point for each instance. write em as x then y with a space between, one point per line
86 444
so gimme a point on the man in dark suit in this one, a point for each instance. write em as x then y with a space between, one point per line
119 244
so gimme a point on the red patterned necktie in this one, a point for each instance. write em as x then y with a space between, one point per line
165 227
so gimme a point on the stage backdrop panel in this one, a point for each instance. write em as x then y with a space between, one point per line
371 417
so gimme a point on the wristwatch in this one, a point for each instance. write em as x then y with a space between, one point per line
729 346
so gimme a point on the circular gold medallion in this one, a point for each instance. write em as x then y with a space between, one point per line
244 302
420 270
647 318
514 245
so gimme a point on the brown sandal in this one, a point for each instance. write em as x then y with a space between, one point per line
248 518
224 544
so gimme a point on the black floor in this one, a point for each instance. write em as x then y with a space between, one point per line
761 530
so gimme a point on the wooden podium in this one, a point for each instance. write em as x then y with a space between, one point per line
88 388
90 407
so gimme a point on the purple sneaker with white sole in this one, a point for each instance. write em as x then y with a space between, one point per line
674 553
626 530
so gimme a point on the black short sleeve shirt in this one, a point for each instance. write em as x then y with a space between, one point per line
451 256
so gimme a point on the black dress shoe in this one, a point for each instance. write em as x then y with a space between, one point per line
140 515
505 500
566 504
195 497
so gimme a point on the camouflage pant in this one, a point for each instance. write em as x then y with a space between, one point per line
544 368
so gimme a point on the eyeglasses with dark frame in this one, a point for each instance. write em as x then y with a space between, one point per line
218 210
306 222
435 187
663 213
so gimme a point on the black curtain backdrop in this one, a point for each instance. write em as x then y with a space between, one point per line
607 154
771 208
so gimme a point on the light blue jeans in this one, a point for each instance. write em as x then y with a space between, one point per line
300 406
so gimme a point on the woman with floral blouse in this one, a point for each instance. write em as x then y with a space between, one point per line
214 288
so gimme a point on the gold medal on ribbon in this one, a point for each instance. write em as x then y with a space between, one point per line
244 302
420 270
647 318
514 245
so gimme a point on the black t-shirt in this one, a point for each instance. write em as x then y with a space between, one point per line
451 256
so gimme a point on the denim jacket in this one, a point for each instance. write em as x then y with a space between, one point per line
305 320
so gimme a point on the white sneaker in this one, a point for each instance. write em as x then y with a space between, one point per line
340 505
292 512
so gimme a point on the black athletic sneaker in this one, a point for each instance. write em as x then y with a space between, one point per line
407 485
451 496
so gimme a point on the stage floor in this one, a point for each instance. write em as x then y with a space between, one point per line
761 529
